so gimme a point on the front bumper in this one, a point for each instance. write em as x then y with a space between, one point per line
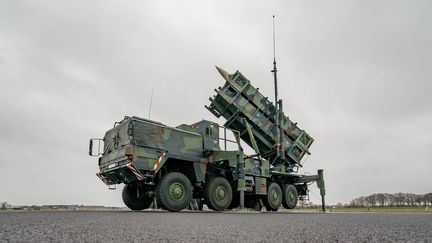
126 173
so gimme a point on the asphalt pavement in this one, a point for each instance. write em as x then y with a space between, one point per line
160 226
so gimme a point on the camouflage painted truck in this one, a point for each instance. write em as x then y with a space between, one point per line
175 166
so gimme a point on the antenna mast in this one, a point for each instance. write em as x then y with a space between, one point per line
151 101
274 71
278 103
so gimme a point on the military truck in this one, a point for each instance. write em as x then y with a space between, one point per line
176 165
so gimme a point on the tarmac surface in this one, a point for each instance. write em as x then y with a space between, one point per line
158 226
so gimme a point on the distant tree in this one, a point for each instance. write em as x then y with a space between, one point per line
370 200
399 199
362 201
416 200
4 205
391 199
427 199
357 202
353 203
395 199
381 199
419 199
409 199
423 200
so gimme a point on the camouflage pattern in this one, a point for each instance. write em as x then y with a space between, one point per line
238 100
140 151
147 145
256 118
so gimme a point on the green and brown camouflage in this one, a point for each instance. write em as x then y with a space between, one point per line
256 118
137 148
141 153
239 102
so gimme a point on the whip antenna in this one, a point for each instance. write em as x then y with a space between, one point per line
274 42
278 103
151 101
274 71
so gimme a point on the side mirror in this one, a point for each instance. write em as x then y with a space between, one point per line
95 145
91 147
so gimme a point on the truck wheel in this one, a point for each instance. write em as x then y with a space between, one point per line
218 193
135 198
290 196
173 192
274 197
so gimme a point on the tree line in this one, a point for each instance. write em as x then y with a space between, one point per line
392 199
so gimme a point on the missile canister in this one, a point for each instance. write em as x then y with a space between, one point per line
238 101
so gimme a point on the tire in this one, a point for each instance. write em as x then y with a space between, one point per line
135 198
290 196
218 193
273 200
173 192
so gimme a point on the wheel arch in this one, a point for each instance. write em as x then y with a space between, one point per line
193 170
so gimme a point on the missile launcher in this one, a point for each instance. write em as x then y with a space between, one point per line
262 126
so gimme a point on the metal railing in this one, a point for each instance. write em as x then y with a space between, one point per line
226 140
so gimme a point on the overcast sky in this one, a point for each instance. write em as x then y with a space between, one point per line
356 75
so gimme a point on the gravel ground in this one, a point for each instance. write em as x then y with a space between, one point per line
127 226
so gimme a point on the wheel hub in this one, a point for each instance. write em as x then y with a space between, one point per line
291 196
274 196
176 191
221 193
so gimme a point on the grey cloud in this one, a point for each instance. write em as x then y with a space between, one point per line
354 74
